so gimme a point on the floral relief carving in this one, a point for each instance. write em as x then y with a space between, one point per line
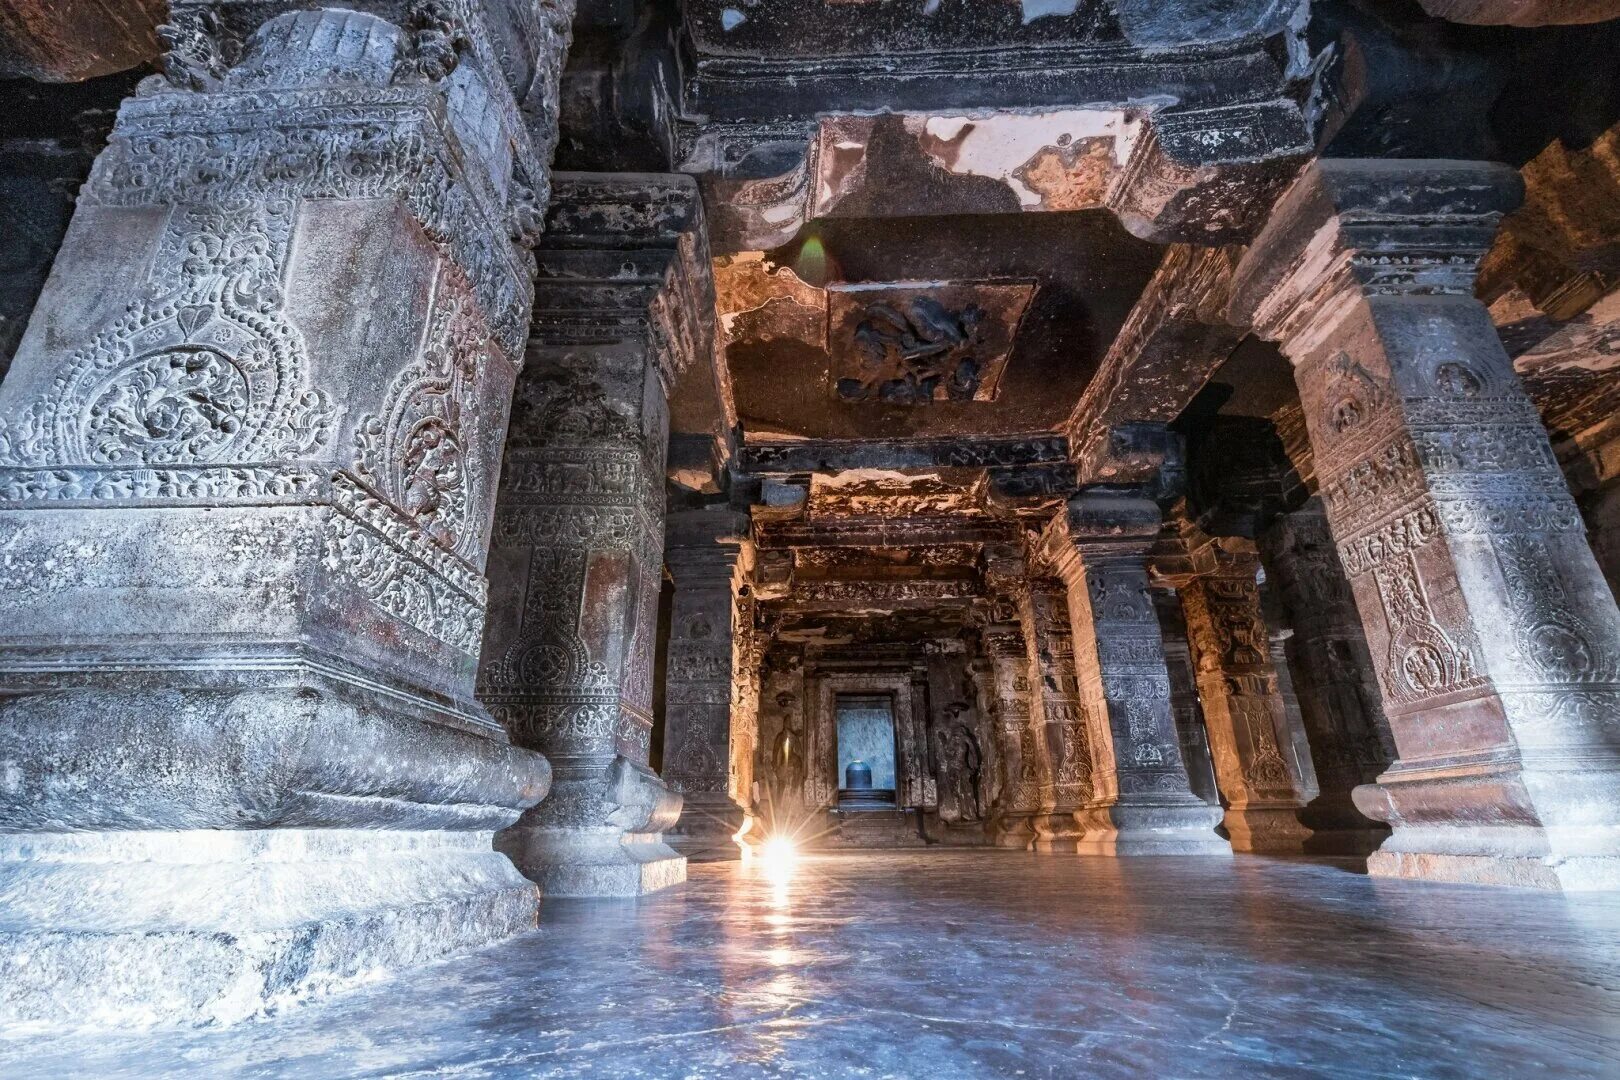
422 451
201 369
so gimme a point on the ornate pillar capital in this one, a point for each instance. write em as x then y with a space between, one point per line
1354 228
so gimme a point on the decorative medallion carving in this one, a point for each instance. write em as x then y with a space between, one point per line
204 368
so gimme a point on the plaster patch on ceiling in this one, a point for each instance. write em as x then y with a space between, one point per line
1040 9
1007 146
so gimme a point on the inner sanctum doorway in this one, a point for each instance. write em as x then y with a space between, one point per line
866 750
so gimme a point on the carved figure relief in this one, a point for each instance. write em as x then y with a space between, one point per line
915 353
919 343
960 765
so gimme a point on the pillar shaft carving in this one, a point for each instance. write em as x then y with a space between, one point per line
1141 801
262 399
1334 679
1495 639
1057 718
1244 710
706 558
577 558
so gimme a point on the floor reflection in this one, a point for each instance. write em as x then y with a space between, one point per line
968 964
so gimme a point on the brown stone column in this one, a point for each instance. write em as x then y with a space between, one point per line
1244 711
1021 758
704 554
1055 714
577 558
1495 638
1184 704
1334 679
1141 802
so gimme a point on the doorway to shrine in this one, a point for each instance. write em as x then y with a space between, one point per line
866 750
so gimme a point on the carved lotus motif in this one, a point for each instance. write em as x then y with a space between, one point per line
182 404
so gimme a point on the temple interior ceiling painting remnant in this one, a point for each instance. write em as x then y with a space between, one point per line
459 457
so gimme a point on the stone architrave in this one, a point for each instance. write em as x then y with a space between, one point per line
705 555
248 453
1056 715
576 561
1141 802
1338 692
1244 709
1495 638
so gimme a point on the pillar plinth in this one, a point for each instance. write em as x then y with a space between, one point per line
1141 803
248 451
577 556
1495 638
705 555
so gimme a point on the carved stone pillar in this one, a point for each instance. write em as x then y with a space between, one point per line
1055 713
1022 759
1184 704
1338 692
1495 638
704 553
577 556
248 451
1141 802
1244 712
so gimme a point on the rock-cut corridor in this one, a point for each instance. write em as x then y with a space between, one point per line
966 965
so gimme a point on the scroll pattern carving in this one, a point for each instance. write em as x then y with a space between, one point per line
203 369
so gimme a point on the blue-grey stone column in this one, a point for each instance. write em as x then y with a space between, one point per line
624 302
249 448
1141 801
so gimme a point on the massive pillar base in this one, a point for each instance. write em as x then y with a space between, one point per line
199 855
1056 833
1267 830
578 863
130 929
600 834
708 828
1152 829
1013 830
1492 828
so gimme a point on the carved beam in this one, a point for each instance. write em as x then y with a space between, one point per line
1174 340
73 40
841 455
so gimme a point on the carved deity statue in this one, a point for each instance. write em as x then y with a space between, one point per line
787 754
960 767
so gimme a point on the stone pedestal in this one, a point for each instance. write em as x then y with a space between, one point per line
1056 715
704 553
1334 681
1243 705
1141 801
1495 638
248 451
577 555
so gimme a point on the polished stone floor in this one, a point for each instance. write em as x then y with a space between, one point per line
967 964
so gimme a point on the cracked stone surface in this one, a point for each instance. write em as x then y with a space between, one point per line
967 964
